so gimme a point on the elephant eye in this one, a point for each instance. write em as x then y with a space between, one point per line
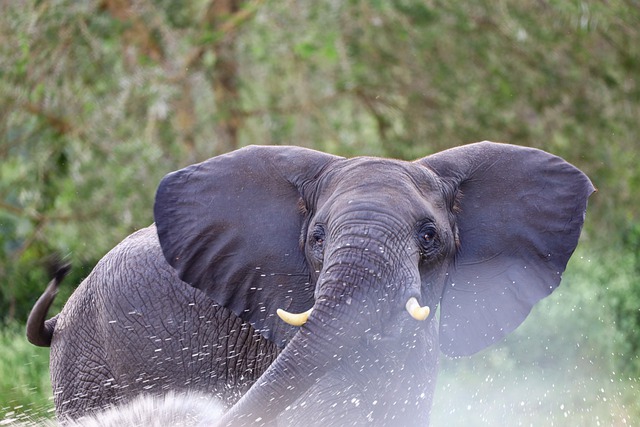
318 235
429 234
316 242
428 239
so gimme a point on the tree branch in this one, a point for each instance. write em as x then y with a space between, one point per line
138 34
15 210
59 124
240 17
229 25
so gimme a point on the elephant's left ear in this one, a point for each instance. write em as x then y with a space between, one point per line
231 227
519 213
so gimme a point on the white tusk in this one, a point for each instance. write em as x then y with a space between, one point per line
417 312
292 318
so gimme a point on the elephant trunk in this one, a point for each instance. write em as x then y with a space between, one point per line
300 365
347 308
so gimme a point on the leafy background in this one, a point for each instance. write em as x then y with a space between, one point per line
100 98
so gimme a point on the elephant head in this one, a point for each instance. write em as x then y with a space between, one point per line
372 246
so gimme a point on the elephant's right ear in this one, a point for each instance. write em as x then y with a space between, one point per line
231 226
519 212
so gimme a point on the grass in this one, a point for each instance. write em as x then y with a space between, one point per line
25 389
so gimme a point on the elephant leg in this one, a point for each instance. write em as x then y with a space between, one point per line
82 382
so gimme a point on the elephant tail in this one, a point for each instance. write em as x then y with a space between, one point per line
40 330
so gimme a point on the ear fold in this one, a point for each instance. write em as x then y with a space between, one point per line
231 227
519 215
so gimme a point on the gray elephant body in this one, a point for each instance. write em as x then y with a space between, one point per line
380 384
134 327
355 255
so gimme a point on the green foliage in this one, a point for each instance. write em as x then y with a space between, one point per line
625 301
25 390
99 99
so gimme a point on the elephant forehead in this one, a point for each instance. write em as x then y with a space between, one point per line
366 183
371 173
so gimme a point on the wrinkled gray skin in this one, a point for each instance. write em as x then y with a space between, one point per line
484 231
133 326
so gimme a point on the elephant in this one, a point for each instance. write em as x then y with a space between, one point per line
172 409
352 274
132 326
183 409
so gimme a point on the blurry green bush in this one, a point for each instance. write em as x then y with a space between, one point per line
99 99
